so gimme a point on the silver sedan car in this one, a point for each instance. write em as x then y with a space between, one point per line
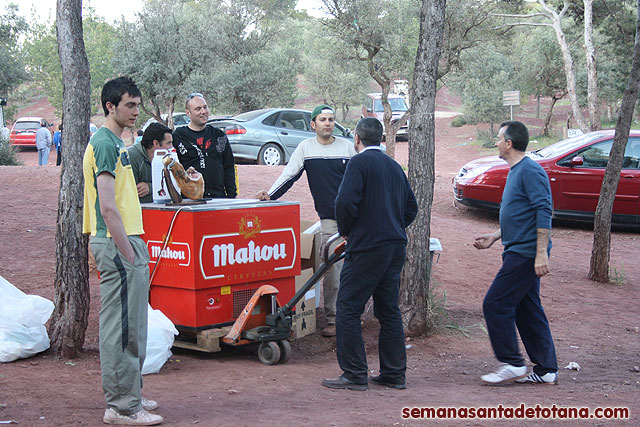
269 136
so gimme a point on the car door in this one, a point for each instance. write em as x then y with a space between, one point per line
292 127
577 188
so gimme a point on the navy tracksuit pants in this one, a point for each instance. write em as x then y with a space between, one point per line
376 273
514 300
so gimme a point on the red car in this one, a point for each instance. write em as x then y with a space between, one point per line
23 132
575 168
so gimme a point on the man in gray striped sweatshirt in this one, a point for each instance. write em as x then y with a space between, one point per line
325 159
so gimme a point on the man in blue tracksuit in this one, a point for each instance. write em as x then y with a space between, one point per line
374 206
514 296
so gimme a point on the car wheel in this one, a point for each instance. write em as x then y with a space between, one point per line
270 155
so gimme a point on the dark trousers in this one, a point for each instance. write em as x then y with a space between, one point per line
372 273
59 157
514 300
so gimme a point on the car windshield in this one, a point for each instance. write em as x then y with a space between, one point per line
562 147
26 125
397 104
249 115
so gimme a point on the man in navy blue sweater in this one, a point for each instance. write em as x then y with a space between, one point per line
374 206
514 296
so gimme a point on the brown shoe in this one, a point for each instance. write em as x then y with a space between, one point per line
329 331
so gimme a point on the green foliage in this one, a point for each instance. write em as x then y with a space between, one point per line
236 59
382 33
486 74
538 61
329 73
458 121
41 55
12 27
8 153
468 25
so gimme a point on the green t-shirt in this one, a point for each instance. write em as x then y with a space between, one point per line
107 153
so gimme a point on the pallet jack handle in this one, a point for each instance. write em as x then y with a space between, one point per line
328 261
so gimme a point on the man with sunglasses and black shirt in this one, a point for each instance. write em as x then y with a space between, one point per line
207 149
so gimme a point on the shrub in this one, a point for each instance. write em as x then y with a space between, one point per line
486 139
458 121
8 154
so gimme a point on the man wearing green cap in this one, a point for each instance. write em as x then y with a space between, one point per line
325 159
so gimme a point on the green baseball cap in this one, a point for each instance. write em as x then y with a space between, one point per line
321 109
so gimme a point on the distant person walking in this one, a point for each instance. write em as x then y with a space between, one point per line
57 141
43 143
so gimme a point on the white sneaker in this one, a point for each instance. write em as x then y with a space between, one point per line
550 378
148 404
505 373
140 418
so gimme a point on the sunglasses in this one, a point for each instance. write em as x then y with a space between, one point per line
193 95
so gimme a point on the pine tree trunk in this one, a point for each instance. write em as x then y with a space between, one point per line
69 321
599 269
414 288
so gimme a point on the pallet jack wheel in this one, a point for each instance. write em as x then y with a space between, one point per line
285 351
269 353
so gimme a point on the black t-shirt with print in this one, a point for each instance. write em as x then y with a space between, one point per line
209 152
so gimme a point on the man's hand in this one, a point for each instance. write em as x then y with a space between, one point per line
541 264
263 195
143 189
486 240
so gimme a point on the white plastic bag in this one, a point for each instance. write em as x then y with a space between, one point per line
160 336
22 319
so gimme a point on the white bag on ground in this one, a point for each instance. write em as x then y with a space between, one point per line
160 336
22 319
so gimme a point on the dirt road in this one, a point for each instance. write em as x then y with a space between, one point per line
595 325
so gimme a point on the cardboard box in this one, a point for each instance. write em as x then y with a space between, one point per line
310 240
304 319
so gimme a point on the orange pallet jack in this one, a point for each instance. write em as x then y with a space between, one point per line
264 320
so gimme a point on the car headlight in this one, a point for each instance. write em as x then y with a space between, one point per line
469 174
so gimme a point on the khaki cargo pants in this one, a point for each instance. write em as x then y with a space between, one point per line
331 281
124 294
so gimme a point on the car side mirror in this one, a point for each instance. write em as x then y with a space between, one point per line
347 133
577 161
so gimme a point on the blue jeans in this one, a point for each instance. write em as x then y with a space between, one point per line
514 300
43 156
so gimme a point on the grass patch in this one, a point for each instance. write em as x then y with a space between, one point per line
438 315
617 276
541 141
612 124
466 330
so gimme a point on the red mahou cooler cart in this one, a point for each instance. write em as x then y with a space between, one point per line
217 255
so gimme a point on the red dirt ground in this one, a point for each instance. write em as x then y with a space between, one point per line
595 325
